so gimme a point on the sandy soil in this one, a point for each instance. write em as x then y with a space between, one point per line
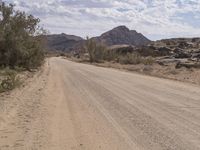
191 75
77 106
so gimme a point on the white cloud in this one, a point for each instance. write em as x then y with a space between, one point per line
154 18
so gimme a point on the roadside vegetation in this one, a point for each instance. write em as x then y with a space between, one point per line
99 53
20 45
96 51
9 80
134 58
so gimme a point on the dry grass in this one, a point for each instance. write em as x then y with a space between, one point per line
8 80
133 58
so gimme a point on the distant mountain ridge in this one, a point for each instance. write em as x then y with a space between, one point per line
62 42
120 35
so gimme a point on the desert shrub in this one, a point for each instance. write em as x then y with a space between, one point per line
134 58
9 81
62 54
148 61
130 58
110 55
95 50
20 43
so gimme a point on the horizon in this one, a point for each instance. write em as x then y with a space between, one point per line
156 20
118 26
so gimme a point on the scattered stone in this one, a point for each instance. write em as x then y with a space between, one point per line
188 65
180 53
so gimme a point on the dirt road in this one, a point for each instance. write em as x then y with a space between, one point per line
72 106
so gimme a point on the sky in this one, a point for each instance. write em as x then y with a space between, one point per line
156 19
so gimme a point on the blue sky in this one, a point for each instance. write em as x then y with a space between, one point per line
156 19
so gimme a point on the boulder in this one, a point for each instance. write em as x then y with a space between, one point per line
164 51
147 51
196 55
122 49
188 65
185 45
180 53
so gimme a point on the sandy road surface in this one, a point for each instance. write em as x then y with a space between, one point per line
71 106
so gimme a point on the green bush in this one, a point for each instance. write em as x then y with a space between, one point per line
20 40
95 50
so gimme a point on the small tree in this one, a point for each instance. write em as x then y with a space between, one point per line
90 47
20 44
96 51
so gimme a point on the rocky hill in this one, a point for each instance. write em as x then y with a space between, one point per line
118 36
122 35
186 44
62 42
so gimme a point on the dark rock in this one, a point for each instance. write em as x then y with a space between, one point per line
188 65
152 47
147 51
194 40
196 55
180 53
164 51
184 45
168 61
122 49
154 51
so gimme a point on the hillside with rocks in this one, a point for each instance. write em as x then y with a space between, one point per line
183 52
177 47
